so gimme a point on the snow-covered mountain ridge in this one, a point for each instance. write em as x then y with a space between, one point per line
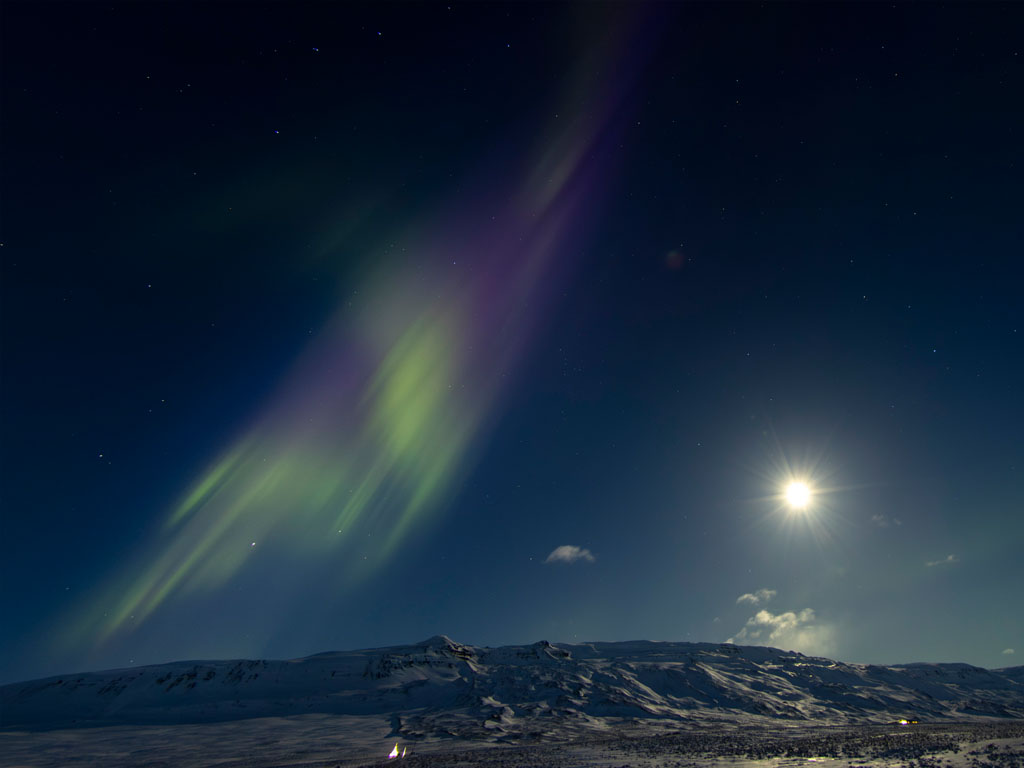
442 688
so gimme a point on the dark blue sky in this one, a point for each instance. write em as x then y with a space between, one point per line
324 326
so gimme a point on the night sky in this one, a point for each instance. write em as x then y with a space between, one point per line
341 326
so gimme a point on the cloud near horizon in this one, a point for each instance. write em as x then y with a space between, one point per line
792 631
567 553
945 561
755 598
1008 651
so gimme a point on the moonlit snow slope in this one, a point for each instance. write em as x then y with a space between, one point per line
442 689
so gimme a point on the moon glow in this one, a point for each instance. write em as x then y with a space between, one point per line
798 494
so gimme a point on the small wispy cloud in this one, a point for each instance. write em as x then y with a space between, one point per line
756 598
567 553
945 561
884 522
1008 652
795 631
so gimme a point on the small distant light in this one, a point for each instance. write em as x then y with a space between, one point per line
253 544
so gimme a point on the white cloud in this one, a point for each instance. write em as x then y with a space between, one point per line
945 561
567 553
1008 652
800 631
884 522
755 598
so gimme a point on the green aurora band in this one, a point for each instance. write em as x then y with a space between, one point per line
373 428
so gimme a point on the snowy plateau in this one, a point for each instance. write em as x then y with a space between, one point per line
573 705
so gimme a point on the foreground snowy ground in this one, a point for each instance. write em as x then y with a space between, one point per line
581 705
327 742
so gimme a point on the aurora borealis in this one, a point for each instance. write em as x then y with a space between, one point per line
373 425
339 326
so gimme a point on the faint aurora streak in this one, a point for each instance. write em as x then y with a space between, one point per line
374 426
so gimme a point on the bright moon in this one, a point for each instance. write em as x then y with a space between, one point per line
798 495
